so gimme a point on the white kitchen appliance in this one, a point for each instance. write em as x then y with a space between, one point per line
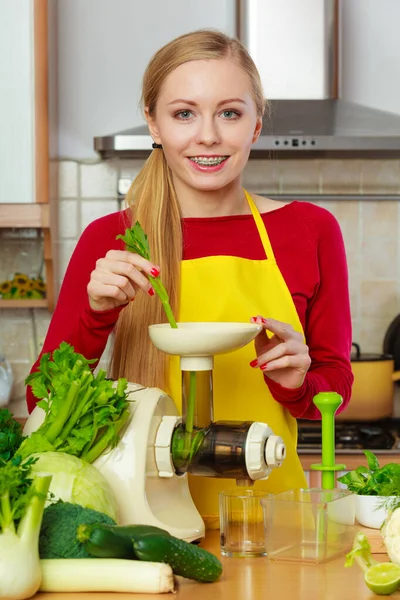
148 467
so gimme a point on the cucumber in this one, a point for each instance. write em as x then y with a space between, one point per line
184 558
112 541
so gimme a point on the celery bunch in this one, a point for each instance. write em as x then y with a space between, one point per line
84 412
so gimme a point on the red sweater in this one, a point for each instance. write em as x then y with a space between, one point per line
309 250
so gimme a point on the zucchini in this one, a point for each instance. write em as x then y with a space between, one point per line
112 541
184 558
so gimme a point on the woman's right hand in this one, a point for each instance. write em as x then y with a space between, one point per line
117 277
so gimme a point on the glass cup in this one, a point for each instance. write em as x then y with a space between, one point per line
241 523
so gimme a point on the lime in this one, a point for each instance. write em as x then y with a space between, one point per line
383 578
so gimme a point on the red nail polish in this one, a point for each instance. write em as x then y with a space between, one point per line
254 363
263 320
264 367
151 292
155 272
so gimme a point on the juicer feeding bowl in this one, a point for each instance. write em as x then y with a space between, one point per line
202 339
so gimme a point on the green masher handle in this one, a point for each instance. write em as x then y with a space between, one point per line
327 404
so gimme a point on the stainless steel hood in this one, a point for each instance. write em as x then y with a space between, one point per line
296 127
323 127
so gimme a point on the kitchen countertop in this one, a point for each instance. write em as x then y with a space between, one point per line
257 579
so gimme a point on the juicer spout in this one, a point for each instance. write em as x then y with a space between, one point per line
246 483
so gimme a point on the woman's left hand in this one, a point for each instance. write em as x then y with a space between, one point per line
284 357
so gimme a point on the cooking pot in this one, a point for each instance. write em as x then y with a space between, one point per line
372 393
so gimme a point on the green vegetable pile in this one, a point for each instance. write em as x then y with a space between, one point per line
84 412
374 480
10 435
71 531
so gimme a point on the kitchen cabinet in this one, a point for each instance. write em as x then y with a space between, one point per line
24 140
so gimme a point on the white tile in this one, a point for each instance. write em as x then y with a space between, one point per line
68 179
14 314
380 218
20 371
379 257
341 176
130 168
372 334
67 219
65 250
261 176
18 342
94 209
300 177
356 329
99 180
354 300
18 408
42 318
380 176
379 300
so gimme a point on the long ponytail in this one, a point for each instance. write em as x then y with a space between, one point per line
155 205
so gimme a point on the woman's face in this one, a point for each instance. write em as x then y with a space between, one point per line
206 120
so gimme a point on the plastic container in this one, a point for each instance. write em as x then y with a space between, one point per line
309 525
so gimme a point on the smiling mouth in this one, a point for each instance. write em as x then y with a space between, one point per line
208 160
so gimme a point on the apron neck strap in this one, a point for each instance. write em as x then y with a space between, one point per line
260 228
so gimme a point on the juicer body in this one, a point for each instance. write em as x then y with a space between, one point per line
148 485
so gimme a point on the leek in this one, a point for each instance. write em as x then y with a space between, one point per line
105 575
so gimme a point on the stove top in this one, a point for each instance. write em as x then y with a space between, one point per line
352 437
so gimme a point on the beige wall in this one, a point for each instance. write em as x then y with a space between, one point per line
370 228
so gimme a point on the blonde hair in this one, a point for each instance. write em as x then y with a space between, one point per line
154 204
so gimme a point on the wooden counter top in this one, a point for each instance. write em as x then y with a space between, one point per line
257 579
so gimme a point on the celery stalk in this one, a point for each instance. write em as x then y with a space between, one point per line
136 241
106 438
190 408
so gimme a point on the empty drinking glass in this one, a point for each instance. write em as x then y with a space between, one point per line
241 523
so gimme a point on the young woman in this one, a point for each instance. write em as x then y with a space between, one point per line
224 255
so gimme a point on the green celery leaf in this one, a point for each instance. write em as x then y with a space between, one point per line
136 241
36 442
10 435
39 389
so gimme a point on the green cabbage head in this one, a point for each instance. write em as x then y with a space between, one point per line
76 481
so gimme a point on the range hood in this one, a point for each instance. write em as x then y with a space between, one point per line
319 127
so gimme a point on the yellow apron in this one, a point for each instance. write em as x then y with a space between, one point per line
228 288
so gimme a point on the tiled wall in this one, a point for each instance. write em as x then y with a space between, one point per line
371 232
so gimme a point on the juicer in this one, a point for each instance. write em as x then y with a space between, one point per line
148 467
